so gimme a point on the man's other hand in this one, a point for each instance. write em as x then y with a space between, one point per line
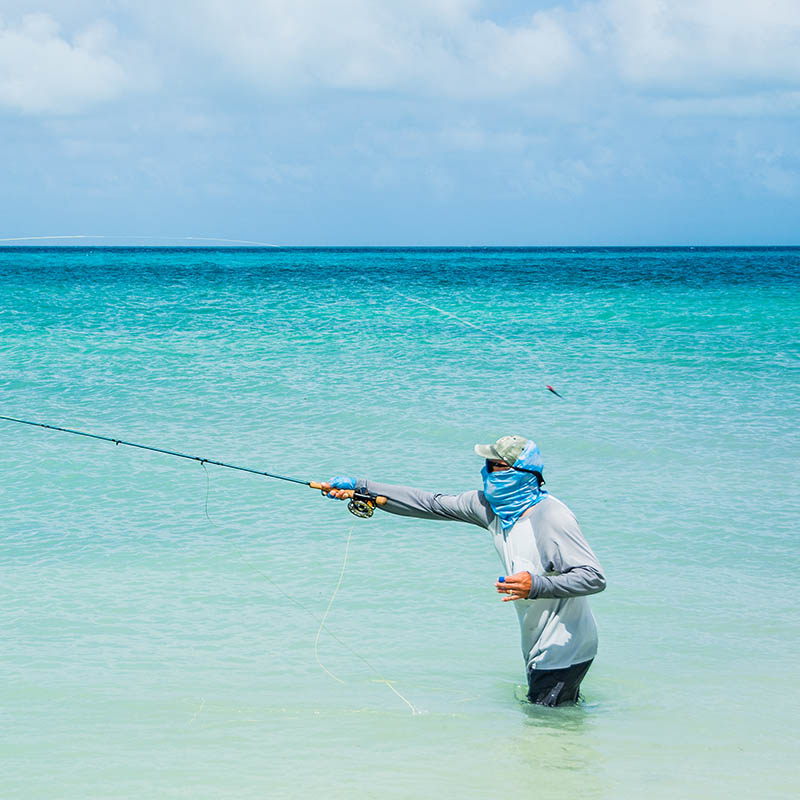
516 586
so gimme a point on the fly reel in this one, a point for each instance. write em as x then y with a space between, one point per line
361 504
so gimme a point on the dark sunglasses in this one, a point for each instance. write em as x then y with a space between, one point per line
491 466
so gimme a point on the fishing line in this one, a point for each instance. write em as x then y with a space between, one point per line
322 621
330 603
149 238
494 334
197 713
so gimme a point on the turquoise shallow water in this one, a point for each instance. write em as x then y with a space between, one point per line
149 653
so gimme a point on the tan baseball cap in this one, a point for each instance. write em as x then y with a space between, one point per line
506 448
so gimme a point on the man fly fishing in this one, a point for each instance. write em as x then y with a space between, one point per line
550 567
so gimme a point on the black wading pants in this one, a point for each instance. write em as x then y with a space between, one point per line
556 687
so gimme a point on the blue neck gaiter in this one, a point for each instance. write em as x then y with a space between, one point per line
511 493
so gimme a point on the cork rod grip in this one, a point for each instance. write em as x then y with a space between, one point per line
380 499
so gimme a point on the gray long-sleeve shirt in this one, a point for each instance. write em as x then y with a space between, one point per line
556 623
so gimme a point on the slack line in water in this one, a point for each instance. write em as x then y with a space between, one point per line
322 622
361 504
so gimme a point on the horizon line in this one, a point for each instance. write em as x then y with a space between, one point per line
18 243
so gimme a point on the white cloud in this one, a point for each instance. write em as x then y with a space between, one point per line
702 46
42 72
423 49
451 48
427 47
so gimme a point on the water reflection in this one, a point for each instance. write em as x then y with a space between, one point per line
556 747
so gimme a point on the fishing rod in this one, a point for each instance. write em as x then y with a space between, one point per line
362 504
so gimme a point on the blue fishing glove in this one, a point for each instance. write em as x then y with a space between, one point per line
341 483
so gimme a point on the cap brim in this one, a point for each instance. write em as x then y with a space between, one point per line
487 451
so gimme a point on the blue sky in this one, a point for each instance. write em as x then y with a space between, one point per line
427 122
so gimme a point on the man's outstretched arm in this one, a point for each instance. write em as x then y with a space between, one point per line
407 501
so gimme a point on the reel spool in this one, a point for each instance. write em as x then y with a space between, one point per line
362 505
